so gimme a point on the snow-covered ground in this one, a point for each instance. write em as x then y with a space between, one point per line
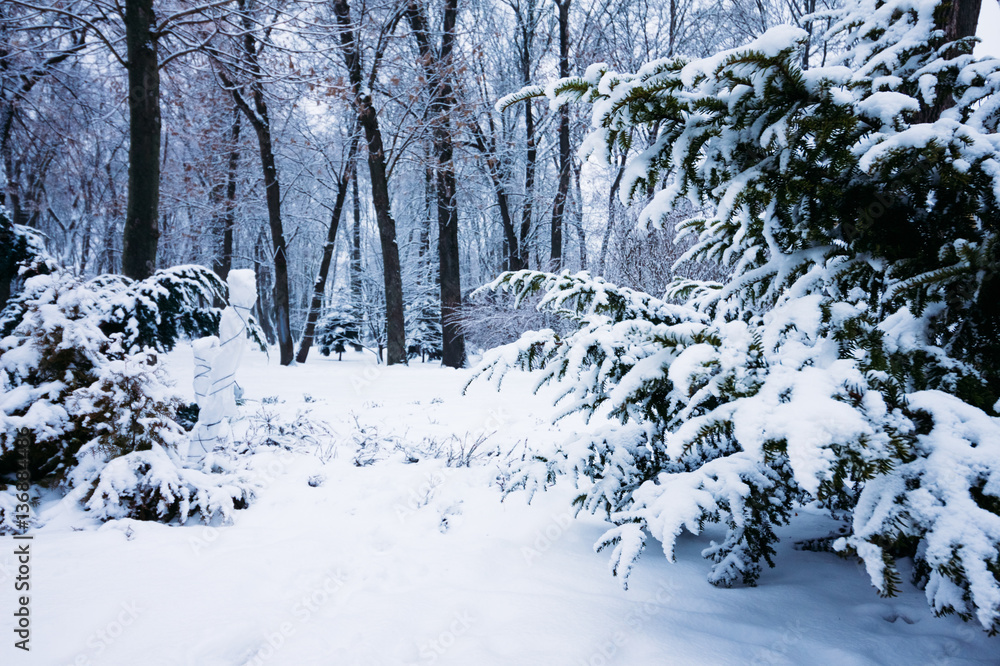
373 555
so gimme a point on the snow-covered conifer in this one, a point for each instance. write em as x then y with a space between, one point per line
851 358
423 327
339 326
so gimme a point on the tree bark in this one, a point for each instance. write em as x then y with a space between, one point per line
559 207
264 301
225 263
437 64
391 273
608 230
958 19
142 233
531 158
578 216
511 254
356 239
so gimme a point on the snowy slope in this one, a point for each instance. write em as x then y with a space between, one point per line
408 561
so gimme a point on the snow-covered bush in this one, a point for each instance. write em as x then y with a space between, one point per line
22 255
171 304
75 370
150 485
56 348
131 467
852 359
130 407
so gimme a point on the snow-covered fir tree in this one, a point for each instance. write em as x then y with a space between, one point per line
339 326
423 327
852 357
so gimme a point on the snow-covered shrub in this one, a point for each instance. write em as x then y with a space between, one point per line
8 513
150 485
131 466
130 407
22 255
171 304
852 359
56 348
73 374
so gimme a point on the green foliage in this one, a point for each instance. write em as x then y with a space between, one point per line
169 305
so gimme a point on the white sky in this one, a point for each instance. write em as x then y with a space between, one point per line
989 29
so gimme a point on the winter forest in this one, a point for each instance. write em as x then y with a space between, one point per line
500 332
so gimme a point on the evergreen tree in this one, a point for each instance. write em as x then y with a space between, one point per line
340 326
423 327
852 356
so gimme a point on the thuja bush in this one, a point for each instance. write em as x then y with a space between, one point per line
851 357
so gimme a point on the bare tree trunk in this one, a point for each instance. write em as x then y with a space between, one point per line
391 273
141 231
578 216
438 70
602 261
559 207
511 255
356 238
529 182
430 210
225 263
324 267
259 119
262 277
280 259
